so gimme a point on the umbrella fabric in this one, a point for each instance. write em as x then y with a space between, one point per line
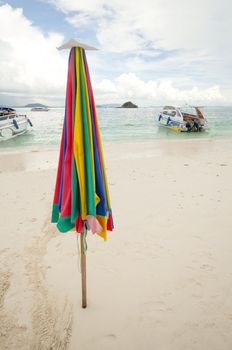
81 191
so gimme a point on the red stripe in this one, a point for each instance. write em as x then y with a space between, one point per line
67 182
59 172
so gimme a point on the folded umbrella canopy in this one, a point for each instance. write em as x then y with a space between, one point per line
81 199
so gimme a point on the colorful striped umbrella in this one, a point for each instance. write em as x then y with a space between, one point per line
81 200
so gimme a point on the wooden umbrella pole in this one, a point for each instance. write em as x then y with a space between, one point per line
83 270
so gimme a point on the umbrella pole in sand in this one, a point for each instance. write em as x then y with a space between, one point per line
83 269
88 171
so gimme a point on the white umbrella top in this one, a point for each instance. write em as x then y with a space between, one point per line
75 43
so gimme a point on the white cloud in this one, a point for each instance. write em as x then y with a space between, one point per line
130 87
161 51
29 62
189 40
95 7
165 24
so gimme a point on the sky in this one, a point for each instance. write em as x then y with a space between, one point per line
151 52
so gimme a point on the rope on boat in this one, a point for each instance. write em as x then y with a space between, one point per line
15 124
29 122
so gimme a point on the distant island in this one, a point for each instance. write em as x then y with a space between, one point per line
129 104
33 105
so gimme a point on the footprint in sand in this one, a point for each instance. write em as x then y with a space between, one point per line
153 313
108 339
207 267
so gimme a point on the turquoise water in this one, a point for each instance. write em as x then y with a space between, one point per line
117 125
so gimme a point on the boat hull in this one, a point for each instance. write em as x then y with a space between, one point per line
11 128
177 125
40 109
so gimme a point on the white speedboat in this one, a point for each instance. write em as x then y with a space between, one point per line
190 119
12 124
40 109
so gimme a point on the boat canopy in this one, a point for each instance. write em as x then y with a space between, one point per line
172 111
7 109
187 112
169 107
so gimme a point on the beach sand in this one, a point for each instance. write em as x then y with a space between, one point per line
163 280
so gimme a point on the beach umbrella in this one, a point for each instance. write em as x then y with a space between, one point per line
81 199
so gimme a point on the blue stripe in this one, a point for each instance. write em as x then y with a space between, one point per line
101 207
64 151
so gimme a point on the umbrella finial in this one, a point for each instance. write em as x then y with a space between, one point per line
75 43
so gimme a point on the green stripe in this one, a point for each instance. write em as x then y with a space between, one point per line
90 195
75 184
75 193
64 224
55 213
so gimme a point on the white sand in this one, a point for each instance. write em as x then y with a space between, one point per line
162 281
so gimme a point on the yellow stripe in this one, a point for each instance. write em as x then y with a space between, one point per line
78 149
103 222
90 126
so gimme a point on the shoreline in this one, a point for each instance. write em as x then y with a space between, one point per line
50 148
47 158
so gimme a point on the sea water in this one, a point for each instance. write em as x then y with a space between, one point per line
117 124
